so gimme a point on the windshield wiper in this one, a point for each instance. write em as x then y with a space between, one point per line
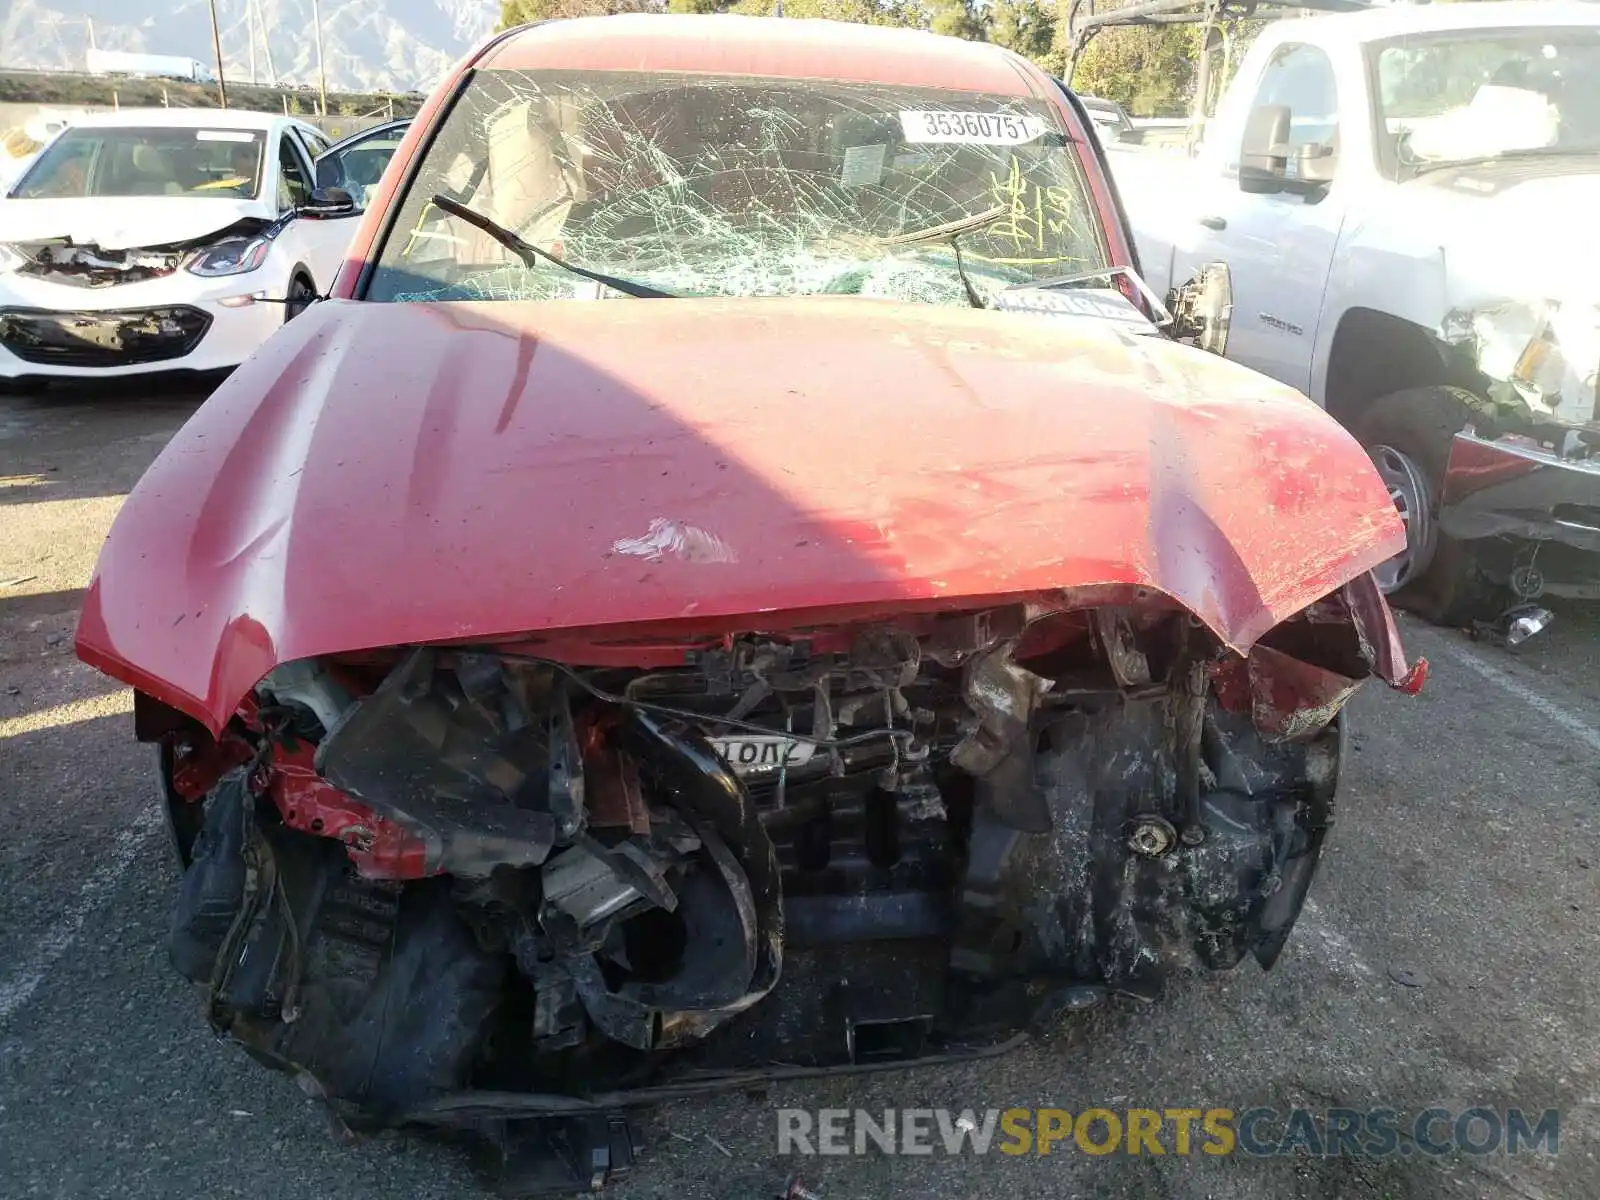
951 232
1427 166
531 254
949 229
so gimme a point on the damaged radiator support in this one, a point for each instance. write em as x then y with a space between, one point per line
91 267
454 886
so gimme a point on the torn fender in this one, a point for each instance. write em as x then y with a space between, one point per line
387 474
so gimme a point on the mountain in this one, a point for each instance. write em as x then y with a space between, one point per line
368 45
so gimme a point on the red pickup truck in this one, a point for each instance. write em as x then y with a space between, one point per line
735 528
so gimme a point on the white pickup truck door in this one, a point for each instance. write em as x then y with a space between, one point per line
1279 247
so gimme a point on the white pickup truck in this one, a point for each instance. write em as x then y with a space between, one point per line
1408 202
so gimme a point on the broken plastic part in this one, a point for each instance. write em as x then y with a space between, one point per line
584 886
557 1156
464 777
306 682
1523 623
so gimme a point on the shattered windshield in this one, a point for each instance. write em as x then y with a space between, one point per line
733 185
130 161
1457 97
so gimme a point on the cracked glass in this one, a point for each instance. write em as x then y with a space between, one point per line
740 186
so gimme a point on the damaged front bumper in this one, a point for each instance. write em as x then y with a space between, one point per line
466 887
56 330
1542 506
211 330
101 338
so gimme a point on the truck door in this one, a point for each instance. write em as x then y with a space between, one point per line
1278 246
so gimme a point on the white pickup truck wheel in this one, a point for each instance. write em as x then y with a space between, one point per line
1410 492
1407 434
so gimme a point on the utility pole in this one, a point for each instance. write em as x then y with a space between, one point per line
250 23
266 42
216 49
322 74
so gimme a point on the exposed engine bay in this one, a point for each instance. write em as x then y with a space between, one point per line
86 265
451 886
90 266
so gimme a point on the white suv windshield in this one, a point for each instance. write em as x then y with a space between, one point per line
132 161
739 186
1464 96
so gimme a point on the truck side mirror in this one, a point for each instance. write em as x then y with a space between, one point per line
1264 151
1311 167
1268 163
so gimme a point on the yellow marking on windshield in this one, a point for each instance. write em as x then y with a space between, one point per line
1036 215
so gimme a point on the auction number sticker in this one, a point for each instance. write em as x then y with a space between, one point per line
969 128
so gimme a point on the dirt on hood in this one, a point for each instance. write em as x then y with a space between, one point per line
383 474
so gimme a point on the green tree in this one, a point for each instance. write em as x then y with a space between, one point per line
857 12
1025 26
697 6
958 18
521 12
1148 69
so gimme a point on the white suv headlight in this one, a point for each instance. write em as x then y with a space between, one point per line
236 256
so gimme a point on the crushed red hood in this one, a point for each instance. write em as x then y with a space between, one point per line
381 474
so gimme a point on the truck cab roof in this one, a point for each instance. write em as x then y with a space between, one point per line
1399 20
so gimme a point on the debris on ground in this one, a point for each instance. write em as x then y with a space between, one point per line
1406 977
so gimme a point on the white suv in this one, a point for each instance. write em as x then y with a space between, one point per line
164 239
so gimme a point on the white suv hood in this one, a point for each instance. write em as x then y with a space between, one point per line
124 222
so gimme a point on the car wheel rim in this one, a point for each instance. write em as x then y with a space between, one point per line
299 300
1408 490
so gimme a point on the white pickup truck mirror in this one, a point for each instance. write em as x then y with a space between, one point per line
1311 167
1268 163
1264 150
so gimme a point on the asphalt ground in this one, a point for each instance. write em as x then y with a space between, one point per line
1450 956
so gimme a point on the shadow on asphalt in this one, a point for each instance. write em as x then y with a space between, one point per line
39 604
157 386
53 441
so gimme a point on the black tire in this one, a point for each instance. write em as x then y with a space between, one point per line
184 819
1420 423
300 295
